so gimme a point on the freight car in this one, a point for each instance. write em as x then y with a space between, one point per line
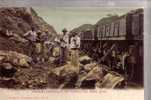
127 27
122 33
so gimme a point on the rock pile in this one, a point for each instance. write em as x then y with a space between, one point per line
18 21
17 69
91 75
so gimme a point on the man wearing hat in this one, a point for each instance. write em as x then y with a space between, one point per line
64 41
75 46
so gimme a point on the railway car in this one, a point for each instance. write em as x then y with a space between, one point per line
126 27
87 39
137 25
122 33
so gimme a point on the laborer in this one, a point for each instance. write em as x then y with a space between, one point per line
130 63
44 39
38 48
31 36
75 46
64 46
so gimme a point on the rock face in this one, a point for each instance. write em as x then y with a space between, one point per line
82 28
17 69
15 58
19 20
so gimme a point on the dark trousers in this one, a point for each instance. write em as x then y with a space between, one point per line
63 55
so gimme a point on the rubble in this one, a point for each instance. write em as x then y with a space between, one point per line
15 58
63 76
111 80
64 70
89 66
85 60
93 75
17 69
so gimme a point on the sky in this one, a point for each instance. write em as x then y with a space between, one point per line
72 17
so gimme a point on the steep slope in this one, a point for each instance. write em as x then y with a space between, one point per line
19 20
108 19
17 69
83 28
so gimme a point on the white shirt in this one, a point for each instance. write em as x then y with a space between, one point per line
65 42
49 44
31 35
75 42
123 60
57 40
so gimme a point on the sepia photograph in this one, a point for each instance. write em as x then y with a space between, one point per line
71 48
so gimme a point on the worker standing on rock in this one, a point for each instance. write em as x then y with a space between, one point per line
75 46
44 40
64 47
38 47
130 63
31 36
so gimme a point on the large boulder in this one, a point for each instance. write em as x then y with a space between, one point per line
64 76
89 66
64 70
15 58
111 80
95 74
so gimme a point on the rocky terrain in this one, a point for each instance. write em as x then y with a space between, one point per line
19 71
19 21
16 68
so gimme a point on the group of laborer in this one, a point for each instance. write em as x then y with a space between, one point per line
43 46
39 44
69 46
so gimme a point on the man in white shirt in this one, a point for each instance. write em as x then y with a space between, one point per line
31 35
75 42
64 46
75 46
